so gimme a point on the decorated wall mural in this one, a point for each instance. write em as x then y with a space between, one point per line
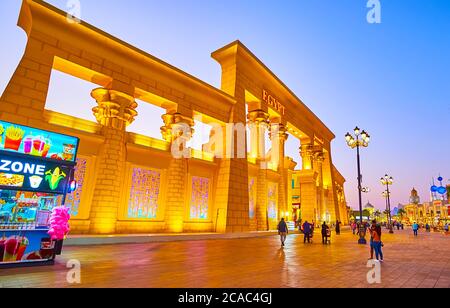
199 198
144 193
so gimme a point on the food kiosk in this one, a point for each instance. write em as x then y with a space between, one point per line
36 172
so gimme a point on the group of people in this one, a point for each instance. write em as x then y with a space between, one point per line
416 227
308 231
398 225
428 227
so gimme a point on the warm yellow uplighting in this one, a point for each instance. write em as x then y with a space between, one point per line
149 142
272 166
65 120
202 155
251 159
176 226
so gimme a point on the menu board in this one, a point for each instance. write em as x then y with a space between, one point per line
35 142
29 173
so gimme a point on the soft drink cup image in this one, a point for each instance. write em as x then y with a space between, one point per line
23 244
47 147
38 146
27 145
2 249
11 245
47 249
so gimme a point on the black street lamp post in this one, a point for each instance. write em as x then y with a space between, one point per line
388 180
361 139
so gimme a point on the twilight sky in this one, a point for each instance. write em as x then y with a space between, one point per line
392 79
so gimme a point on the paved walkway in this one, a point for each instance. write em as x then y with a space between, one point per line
252 262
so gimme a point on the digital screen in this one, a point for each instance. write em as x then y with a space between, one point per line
35 142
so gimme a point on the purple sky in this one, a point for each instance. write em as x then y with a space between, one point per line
392 79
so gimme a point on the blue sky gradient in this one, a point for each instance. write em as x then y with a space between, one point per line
392 79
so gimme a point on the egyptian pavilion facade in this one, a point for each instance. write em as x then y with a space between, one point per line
131 183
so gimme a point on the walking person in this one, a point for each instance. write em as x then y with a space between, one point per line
415 228
283 231
338 227
325 232
446 228
377 244
353 226
307 232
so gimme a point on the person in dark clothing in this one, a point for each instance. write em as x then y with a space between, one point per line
325 230
338 227
307 232
283 231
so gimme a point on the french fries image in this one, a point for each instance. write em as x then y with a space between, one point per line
14 133
14 136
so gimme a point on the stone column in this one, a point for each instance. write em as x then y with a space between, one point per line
328 179
307 154
308 194
308 182
318 168
177 172
258 122
115 111
279 137
262 200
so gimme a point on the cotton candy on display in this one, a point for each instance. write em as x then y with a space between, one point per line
59 223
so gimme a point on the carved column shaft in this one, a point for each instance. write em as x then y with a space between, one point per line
278 135
307 154
115 111
176 126
258 122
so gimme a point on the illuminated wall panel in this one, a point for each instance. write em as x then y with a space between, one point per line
199 198
144 193
73 200
273 200
252 197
